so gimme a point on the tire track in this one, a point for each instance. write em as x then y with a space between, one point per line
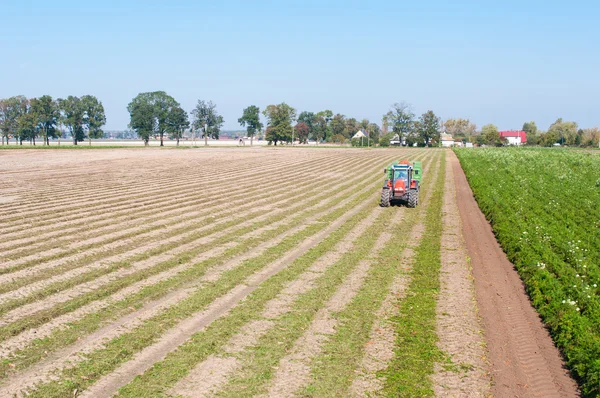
523 357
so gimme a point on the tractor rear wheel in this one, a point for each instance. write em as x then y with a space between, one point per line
385 198
413 198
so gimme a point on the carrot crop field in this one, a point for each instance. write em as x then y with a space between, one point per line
229 272
544 207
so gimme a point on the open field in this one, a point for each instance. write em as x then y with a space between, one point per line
227 272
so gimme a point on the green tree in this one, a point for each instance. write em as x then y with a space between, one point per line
491 136
530 128
460 128
207 119
310 119
94 117
10 110
177 122
402 120
385 139
351 127
142 118
161 104
73 112
429 127
566 131
279 122
48 114
251 119
338 125
374 132
27 124
323 128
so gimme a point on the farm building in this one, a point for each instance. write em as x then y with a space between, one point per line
514 137
447 140
359 134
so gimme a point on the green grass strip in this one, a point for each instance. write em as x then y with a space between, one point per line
335 368
408 374
124 347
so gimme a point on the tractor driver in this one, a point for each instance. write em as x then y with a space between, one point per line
400 175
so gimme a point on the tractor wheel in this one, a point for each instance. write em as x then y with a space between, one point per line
385 198
413 198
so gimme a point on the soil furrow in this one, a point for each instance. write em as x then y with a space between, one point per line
96 283
109 384
293 371
458 328
193 387
212 275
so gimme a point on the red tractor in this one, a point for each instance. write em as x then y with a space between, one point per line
401 184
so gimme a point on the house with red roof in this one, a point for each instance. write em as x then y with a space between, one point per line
514 137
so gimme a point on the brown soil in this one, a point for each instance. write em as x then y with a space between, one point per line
109 385
524 361
458 327
293 371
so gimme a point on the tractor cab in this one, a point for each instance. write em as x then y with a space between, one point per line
402 184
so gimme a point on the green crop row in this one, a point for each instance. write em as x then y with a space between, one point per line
544 207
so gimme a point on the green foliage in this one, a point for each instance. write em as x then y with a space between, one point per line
251 118
429 128
310 119
530 128
207 120
279 122
149 114
491 136
543 206
94 117
338 139
385 139
566 132
460 128
358 142
177 122
323 131
402 120
73 117
48 116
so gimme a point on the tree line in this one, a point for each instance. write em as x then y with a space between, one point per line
157 114
26 119
559 133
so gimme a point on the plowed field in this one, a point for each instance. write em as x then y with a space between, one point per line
233 272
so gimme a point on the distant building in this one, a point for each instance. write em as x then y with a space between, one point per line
514 137
359 134
447 140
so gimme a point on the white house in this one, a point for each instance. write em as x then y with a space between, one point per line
514 137
447 140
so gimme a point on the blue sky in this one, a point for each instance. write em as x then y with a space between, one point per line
501 62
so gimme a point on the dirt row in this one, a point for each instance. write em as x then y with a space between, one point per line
142 251
336 167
